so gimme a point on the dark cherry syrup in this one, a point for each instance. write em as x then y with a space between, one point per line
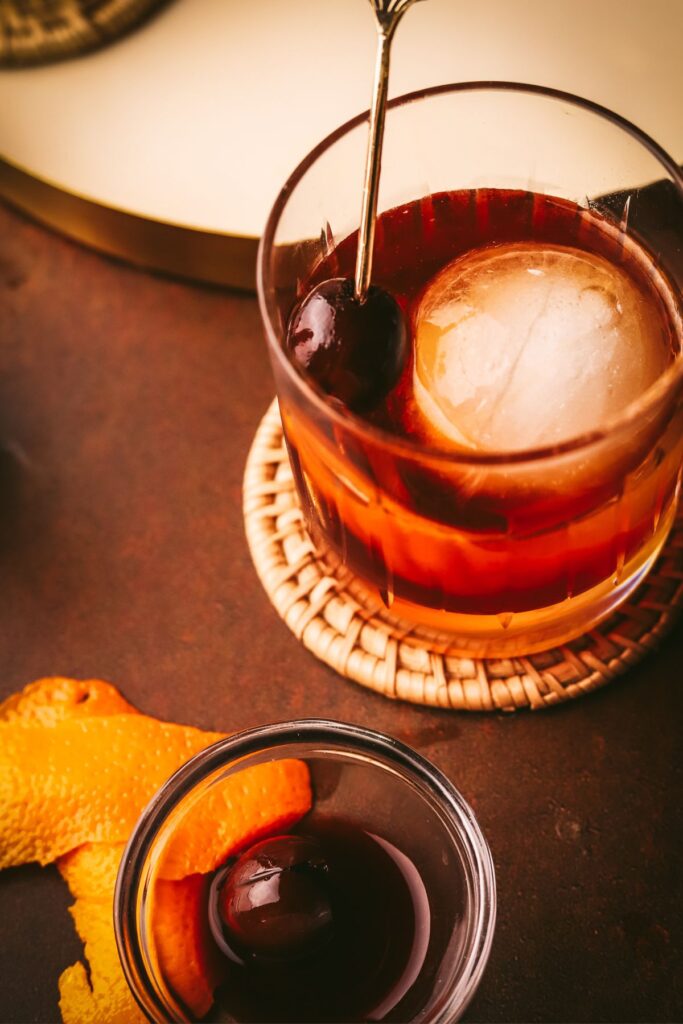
330 923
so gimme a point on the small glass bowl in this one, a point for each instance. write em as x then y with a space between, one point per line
369 780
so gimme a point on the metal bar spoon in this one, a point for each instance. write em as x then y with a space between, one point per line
388 14
350 337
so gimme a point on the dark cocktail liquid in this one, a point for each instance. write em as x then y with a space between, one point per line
371 953
440 538
328 923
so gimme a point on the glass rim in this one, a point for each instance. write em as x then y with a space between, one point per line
332 734
667 382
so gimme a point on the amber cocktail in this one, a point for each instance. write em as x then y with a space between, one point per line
519 480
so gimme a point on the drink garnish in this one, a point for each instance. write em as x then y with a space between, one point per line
354 350
348 336
77 765
273 902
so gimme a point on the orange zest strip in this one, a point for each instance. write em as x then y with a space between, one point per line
238 810
90 870
50 701
185 952
86 780
77 766
112 999
76 1001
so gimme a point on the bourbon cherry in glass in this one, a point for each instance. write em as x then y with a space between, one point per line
274 902
353 349
330 923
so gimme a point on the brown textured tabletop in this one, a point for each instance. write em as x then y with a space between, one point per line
127 406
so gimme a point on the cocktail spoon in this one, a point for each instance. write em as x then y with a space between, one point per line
388 14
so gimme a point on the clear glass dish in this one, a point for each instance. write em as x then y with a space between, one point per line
369 780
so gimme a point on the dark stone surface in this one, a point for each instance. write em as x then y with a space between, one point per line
127 406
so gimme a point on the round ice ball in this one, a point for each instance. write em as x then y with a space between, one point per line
525 345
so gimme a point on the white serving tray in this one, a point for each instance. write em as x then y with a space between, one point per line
191 124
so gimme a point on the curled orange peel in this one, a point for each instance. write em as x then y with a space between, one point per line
102 996
105 998
233 814
85 780
186 954
90 870
50 701
77 765
76 1000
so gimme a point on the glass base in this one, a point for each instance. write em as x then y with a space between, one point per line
519 633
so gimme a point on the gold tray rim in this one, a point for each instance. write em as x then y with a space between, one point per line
196 254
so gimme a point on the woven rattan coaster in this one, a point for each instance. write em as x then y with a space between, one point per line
38 31
329 613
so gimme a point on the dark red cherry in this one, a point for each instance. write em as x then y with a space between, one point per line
274 901
353 350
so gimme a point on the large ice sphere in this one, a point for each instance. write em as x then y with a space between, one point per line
524 345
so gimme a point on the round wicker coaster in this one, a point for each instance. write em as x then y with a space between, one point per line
39 31
331 616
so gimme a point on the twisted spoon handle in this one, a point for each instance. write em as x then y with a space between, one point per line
388 14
